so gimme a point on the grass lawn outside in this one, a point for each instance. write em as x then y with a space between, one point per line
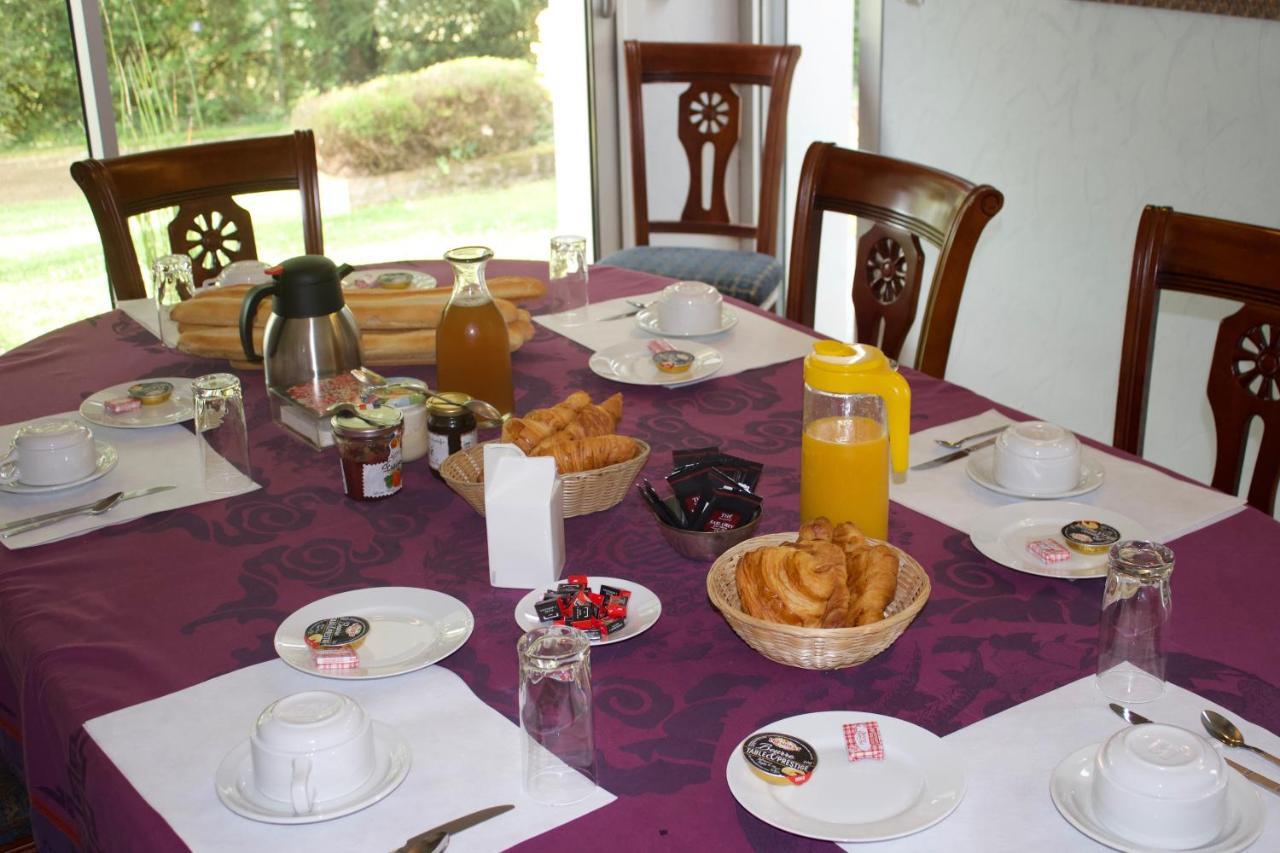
51 268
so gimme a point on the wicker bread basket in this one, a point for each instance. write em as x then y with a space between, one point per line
815 648
584 492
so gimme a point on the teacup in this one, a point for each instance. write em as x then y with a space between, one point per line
689 308
50 453
1160 786
310 747
1037 458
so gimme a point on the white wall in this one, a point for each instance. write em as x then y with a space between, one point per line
1081 113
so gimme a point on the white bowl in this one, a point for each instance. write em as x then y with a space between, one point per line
689 308
1036 458
311 746
1161 786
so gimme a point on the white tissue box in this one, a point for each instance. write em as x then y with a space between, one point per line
524 518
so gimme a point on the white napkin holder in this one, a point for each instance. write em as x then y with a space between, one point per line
524 518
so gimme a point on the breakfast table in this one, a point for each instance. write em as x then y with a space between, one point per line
132 612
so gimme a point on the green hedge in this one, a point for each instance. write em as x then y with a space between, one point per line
456 110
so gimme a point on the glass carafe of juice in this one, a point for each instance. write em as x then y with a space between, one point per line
473 352
857 415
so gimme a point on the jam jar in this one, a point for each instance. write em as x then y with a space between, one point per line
370 452
412 404
450 427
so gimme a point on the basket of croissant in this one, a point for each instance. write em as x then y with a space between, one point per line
596 465
826 598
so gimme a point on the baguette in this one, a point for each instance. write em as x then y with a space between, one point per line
403 310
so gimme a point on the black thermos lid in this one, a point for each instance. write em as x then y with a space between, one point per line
307 286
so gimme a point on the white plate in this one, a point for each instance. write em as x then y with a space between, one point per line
1070 783
642 610
919 782
647 319
175 410
107 459
364 280
632 362
409 628
980 465
1001 534
234 783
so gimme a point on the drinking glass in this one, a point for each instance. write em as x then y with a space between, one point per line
558 754
220 433
567 275
173 281
1136 605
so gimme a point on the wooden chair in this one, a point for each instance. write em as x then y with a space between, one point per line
907 202
709 113
1229 260
200 181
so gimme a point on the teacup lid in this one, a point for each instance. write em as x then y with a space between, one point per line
695 290
1039 440
53 435
1162 761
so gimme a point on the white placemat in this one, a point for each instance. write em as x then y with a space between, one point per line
466 756
1008 759
143 312
754 342
1166 506
159 456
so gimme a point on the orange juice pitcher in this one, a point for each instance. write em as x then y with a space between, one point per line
473 350
857 417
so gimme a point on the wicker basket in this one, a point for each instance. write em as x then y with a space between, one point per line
584 492
815 648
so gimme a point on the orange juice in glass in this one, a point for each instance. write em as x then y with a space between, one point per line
845 461
857 413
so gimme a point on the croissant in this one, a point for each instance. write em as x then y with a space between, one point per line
873 582
590 453
561 414
590 420
525 433
818 528
799 585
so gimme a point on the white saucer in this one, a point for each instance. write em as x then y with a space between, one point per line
1070 783
643 609
647 319
1002 533
107 459
632 362
234 783
178 408
409 628
364 280
980 465
919 782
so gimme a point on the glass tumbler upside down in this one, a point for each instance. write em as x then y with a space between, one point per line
1136 605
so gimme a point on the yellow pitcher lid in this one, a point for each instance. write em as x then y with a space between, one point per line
839 367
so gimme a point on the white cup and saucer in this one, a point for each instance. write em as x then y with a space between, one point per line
687 309
1154 786
312 756
54 454
1036 460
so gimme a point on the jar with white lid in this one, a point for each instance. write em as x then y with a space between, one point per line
412 404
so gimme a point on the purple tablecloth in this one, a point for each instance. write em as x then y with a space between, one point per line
129 613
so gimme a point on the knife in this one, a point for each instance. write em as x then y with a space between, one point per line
24 524
431 840
631 313
1252 775
952 457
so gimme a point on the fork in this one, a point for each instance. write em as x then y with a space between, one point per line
942 442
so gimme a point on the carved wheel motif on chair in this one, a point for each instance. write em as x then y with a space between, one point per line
708 116
886 286
886 270
709 112
1256 361
214 232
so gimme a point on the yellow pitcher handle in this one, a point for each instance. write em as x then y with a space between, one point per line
897 402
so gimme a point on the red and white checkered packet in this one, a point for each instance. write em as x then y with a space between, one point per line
862 740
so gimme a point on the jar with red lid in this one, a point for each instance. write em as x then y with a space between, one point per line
369 448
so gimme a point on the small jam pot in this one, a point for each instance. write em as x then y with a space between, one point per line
370 452
450 428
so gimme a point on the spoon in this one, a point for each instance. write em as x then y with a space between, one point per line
942 442
98 508
352 411
1224 730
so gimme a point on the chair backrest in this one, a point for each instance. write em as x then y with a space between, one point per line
1230 260
200 180
709 113
907 202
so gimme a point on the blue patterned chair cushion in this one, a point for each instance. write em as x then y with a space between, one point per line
749 276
